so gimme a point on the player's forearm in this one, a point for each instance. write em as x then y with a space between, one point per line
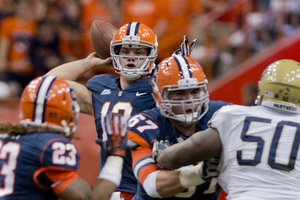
72 70
79 189
169 158
103 189
200 146
168 183
109 178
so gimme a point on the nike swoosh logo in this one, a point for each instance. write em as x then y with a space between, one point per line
140 94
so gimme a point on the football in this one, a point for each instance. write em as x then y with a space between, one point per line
101 33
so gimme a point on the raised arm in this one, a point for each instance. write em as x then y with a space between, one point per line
200 146
73 70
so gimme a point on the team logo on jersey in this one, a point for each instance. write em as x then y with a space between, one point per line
140 94
120 93
106 92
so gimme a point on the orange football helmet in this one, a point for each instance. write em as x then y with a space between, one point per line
134 35
50 101
179 73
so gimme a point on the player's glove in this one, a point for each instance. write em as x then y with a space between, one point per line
116 128
158 146
210 169
185 48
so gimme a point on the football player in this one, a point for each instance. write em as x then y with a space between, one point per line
133 52
38 160
183 108
258 145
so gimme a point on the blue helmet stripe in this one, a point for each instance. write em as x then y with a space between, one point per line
128 29
183 66
41 99
137 29
133 28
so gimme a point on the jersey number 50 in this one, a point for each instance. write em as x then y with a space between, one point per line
273 150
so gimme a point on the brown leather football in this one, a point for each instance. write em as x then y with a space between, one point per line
101 33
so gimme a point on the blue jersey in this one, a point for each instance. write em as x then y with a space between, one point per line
23 158
149 125
108 97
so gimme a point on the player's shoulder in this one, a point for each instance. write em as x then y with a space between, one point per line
234 108
58 151
36 144
213 106
45 139
144 127
153 114
102 79
217 104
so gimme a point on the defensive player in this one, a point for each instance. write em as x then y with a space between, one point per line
38 160
183 108
259 145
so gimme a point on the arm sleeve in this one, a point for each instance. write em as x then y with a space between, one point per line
150 185
56 178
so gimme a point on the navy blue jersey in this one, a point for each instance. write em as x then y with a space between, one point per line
149 125
23 158
108 97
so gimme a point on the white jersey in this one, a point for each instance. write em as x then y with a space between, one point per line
260 157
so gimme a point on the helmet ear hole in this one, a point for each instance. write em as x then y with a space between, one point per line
117 49
148 50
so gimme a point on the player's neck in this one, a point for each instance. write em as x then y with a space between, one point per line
184 128
124 83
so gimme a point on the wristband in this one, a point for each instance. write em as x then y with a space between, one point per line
112 170
191 176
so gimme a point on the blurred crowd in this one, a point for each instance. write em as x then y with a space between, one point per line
37 35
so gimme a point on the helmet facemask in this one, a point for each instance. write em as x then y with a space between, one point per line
133 42
198 105
134 35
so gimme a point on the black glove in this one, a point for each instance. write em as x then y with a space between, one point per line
158 146
210 169
116 128
185 48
